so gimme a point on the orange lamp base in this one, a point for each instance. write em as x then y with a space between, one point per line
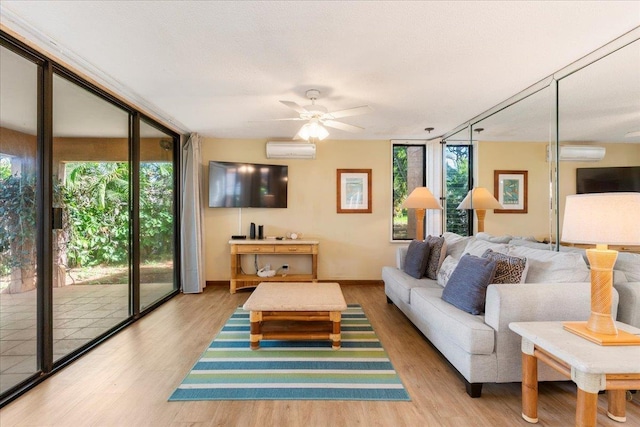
621 338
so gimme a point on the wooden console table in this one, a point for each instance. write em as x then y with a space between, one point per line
270 247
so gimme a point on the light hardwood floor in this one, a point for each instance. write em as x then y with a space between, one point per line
126 381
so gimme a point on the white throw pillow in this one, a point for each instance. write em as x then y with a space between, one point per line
456 243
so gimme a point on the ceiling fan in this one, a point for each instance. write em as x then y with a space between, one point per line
318 117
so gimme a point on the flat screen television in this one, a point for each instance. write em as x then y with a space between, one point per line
608 180
247 185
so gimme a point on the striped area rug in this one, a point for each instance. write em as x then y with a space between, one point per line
293 370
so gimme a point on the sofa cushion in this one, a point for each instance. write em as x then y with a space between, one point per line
493 239
415 262
468 332
467 286
551 266
399 283
478 247
531 244
629 264
450 263
509 269
437 251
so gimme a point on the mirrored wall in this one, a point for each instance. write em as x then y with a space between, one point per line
558 137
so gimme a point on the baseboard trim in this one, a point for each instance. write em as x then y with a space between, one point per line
342 282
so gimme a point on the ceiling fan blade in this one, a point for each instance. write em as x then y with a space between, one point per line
342 126
294 106
277 120
355 111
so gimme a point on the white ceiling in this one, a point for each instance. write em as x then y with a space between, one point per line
220 68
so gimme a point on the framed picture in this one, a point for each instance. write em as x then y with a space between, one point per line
354 191
510 188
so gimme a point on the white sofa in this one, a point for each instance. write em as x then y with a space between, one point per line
482 347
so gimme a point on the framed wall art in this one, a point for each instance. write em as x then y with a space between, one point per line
354 191
510 188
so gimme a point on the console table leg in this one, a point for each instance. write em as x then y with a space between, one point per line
586 409
529 388
617 405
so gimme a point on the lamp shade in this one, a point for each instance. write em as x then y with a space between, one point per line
421 198
479 198
602 218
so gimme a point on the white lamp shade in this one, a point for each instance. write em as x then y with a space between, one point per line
421 198
602 218
479 198
314 130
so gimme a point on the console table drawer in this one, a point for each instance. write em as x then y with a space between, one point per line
254 249
288 249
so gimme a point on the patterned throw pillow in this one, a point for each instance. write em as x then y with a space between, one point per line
510 269
437 249
415 262
450 263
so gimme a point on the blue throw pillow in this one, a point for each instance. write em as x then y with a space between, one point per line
415 262
467 286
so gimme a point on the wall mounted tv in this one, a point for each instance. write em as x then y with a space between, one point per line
608 180
247 185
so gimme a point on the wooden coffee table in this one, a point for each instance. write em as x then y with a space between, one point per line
295 311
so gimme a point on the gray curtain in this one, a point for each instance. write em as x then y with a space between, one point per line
192 227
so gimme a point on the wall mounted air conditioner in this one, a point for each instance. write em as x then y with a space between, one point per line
580 153
290 150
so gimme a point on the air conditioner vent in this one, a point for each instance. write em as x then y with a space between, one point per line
579 153
290 150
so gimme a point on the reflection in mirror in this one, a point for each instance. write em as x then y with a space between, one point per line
156 214
599 106
512 165
457 169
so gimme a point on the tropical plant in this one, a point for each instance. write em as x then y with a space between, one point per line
457 176
95 198
18 229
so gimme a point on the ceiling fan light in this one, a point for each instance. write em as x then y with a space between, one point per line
313 130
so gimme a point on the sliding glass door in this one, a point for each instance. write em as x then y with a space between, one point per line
18 206
88 216
157 220
91 242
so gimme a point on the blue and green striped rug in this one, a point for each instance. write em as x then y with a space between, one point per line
294 370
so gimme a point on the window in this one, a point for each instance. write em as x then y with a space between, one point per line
457 177
409 172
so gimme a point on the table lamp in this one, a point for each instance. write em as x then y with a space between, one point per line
602 219
479 199
420 199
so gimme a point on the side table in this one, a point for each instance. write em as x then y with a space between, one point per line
591 366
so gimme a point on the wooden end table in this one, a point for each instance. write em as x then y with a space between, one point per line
295 311
591 366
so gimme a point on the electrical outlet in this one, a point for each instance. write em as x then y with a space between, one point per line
285 267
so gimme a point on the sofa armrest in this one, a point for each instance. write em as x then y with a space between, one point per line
530 302
629 305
